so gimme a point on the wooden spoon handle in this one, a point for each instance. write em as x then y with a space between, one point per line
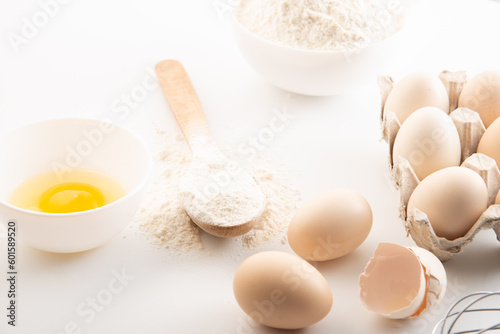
182 99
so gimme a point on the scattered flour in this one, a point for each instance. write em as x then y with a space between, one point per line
321 24
282 202
162 216
164 221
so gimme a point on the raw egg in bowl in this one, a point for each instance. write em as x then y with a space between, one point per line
70 185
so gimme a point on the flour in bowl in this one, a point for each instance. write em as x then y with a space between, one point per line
321 24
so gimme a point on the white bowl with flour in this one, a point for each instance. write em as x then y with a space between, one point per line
320 47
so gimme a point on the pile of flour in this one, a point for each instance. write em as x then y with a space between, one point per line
321 24
165 222
217 191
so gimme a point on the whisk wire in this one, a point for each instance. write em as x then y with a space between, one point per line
455 314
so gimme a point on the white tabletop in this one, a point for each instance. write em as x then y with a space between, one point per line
90 53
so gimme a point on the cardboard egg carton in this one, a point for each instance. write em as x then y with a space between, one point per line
470 129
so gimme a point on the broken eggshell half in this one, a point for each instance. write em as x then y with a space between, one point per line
402 282
470 129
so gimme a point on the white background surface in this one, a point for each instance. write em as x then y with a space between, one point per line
91 52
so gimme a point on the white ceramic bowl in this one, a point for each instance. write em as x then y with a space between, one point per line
317 73
73 143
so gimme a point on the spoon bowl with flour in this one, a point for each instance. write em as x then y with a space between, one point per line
217 193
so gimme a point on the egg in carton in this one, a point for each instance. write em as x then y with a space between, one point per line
470 129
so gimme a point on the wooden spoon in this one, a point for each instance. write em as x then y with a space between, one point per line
189 115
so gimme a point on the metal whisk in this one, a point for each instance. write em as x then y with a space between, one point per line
470 304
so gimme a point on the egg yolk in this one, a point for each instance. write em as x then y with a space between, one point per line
71 197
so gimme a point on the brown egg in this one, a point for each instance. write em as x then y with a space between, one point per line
490 142
482 94
416 91
330 225
281 290
497 201
429 141
453 199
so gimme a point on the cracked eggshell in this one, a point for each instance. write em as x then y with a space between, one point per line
497 201
402 282
434 268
